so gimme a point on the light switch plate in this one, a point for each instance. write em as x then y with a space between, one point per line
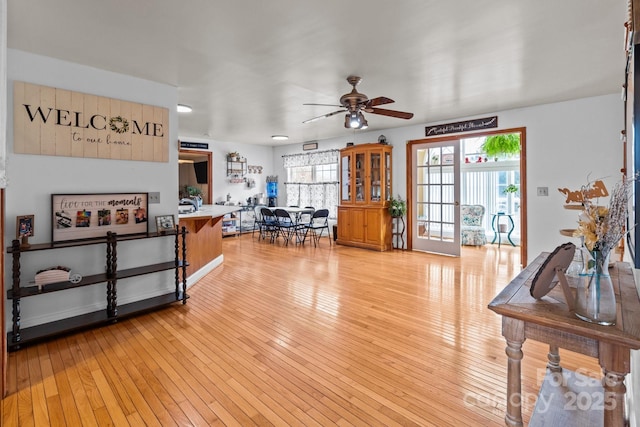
543 191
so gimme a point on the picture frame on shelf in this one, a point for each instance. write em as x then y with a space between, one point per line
165 223
86 216
25 228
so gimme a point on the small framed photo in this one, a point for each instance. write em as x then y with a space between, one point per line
165 223
24 229
24 226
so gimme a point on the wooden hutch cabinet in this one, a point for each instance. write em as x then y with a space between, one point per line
365 190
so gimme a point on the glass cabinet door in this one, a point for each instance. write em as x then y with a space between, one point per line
345 177
375 184
387 178
360 177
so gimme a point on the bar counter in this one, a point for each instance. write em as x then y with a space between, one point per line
204 239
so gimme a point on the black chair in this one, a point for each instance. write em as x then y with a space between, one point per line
319 222
305 218
268 224
287 227
257 220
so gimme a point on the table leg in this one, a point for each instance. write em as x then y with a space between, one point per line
513 332
493 227
513 226
615 362
554 359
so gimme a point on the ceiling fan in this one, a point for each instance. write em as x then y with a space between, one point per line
354 103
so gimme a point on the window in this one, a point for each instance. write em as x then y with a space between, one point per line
313 174
312 180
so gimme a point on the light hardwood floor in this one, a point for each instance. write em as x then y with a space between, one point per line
295 336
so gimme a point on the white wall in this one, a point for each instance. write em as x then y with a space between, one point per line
568 143
33 178
259 155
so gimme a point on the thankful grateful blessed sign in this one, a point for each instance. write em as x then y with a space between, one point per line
58 122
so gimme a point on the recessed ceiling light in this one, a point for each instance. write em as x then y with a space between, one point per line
184 108
279 137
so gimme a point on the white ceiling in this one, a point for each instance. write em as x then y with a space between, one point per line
247 66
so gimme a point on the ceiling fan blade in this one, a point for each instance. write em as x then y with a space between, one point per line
326 105
324 116
391 113
381 100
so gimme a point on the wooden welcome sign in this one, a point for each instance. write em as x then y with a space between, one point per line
57 122
597 189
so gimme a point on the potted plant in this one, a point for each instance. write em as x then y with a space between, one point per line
234 156
397 207
511 188
504 144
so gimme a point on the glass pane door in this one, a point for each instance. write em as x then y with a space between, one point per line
375 177
360 178
436 194
387 178
345 178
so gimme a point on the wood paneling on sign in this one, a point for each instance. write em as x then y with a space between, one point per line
58 122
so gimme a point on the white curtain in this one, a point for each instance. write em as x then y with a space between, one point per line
311 159
320 195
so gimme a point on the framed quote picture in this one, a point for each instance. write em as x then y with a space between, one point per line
165 223
86 216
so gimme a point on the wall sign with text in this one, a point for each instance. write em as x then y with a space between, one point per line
465 126
57 122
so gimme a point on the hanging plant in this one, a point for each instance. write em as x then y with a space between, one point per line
504 144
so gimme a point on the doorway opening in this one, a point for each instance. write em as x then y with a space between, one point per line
194 175
438 185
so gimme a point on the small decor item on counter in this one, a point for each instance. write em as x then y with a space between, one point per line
601 228
55 275
24 229
397 207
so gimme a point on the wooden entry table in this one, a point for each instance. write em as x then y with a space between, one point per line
549 320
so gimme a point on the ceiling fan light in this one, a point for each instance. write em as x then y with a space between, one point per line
363 122
354 121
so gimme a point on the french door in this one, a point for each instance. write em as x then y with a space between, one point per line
435 195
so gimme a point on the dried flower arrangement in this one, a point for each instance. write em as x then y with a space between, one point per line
602 227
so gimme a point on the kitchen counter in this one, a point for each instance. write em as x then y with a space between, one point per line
204 239
210 211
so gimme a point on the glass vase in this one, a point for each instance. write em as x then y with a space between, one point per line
595 298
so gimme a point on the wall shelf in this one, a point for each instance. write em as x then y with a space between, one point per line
19 337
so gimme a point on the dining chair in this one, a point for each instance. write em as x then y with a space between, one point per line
319 222
305 217
287 226
268 224
257 220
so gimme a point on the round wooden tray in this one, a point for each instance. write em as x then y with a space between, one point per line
567 232
574 207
